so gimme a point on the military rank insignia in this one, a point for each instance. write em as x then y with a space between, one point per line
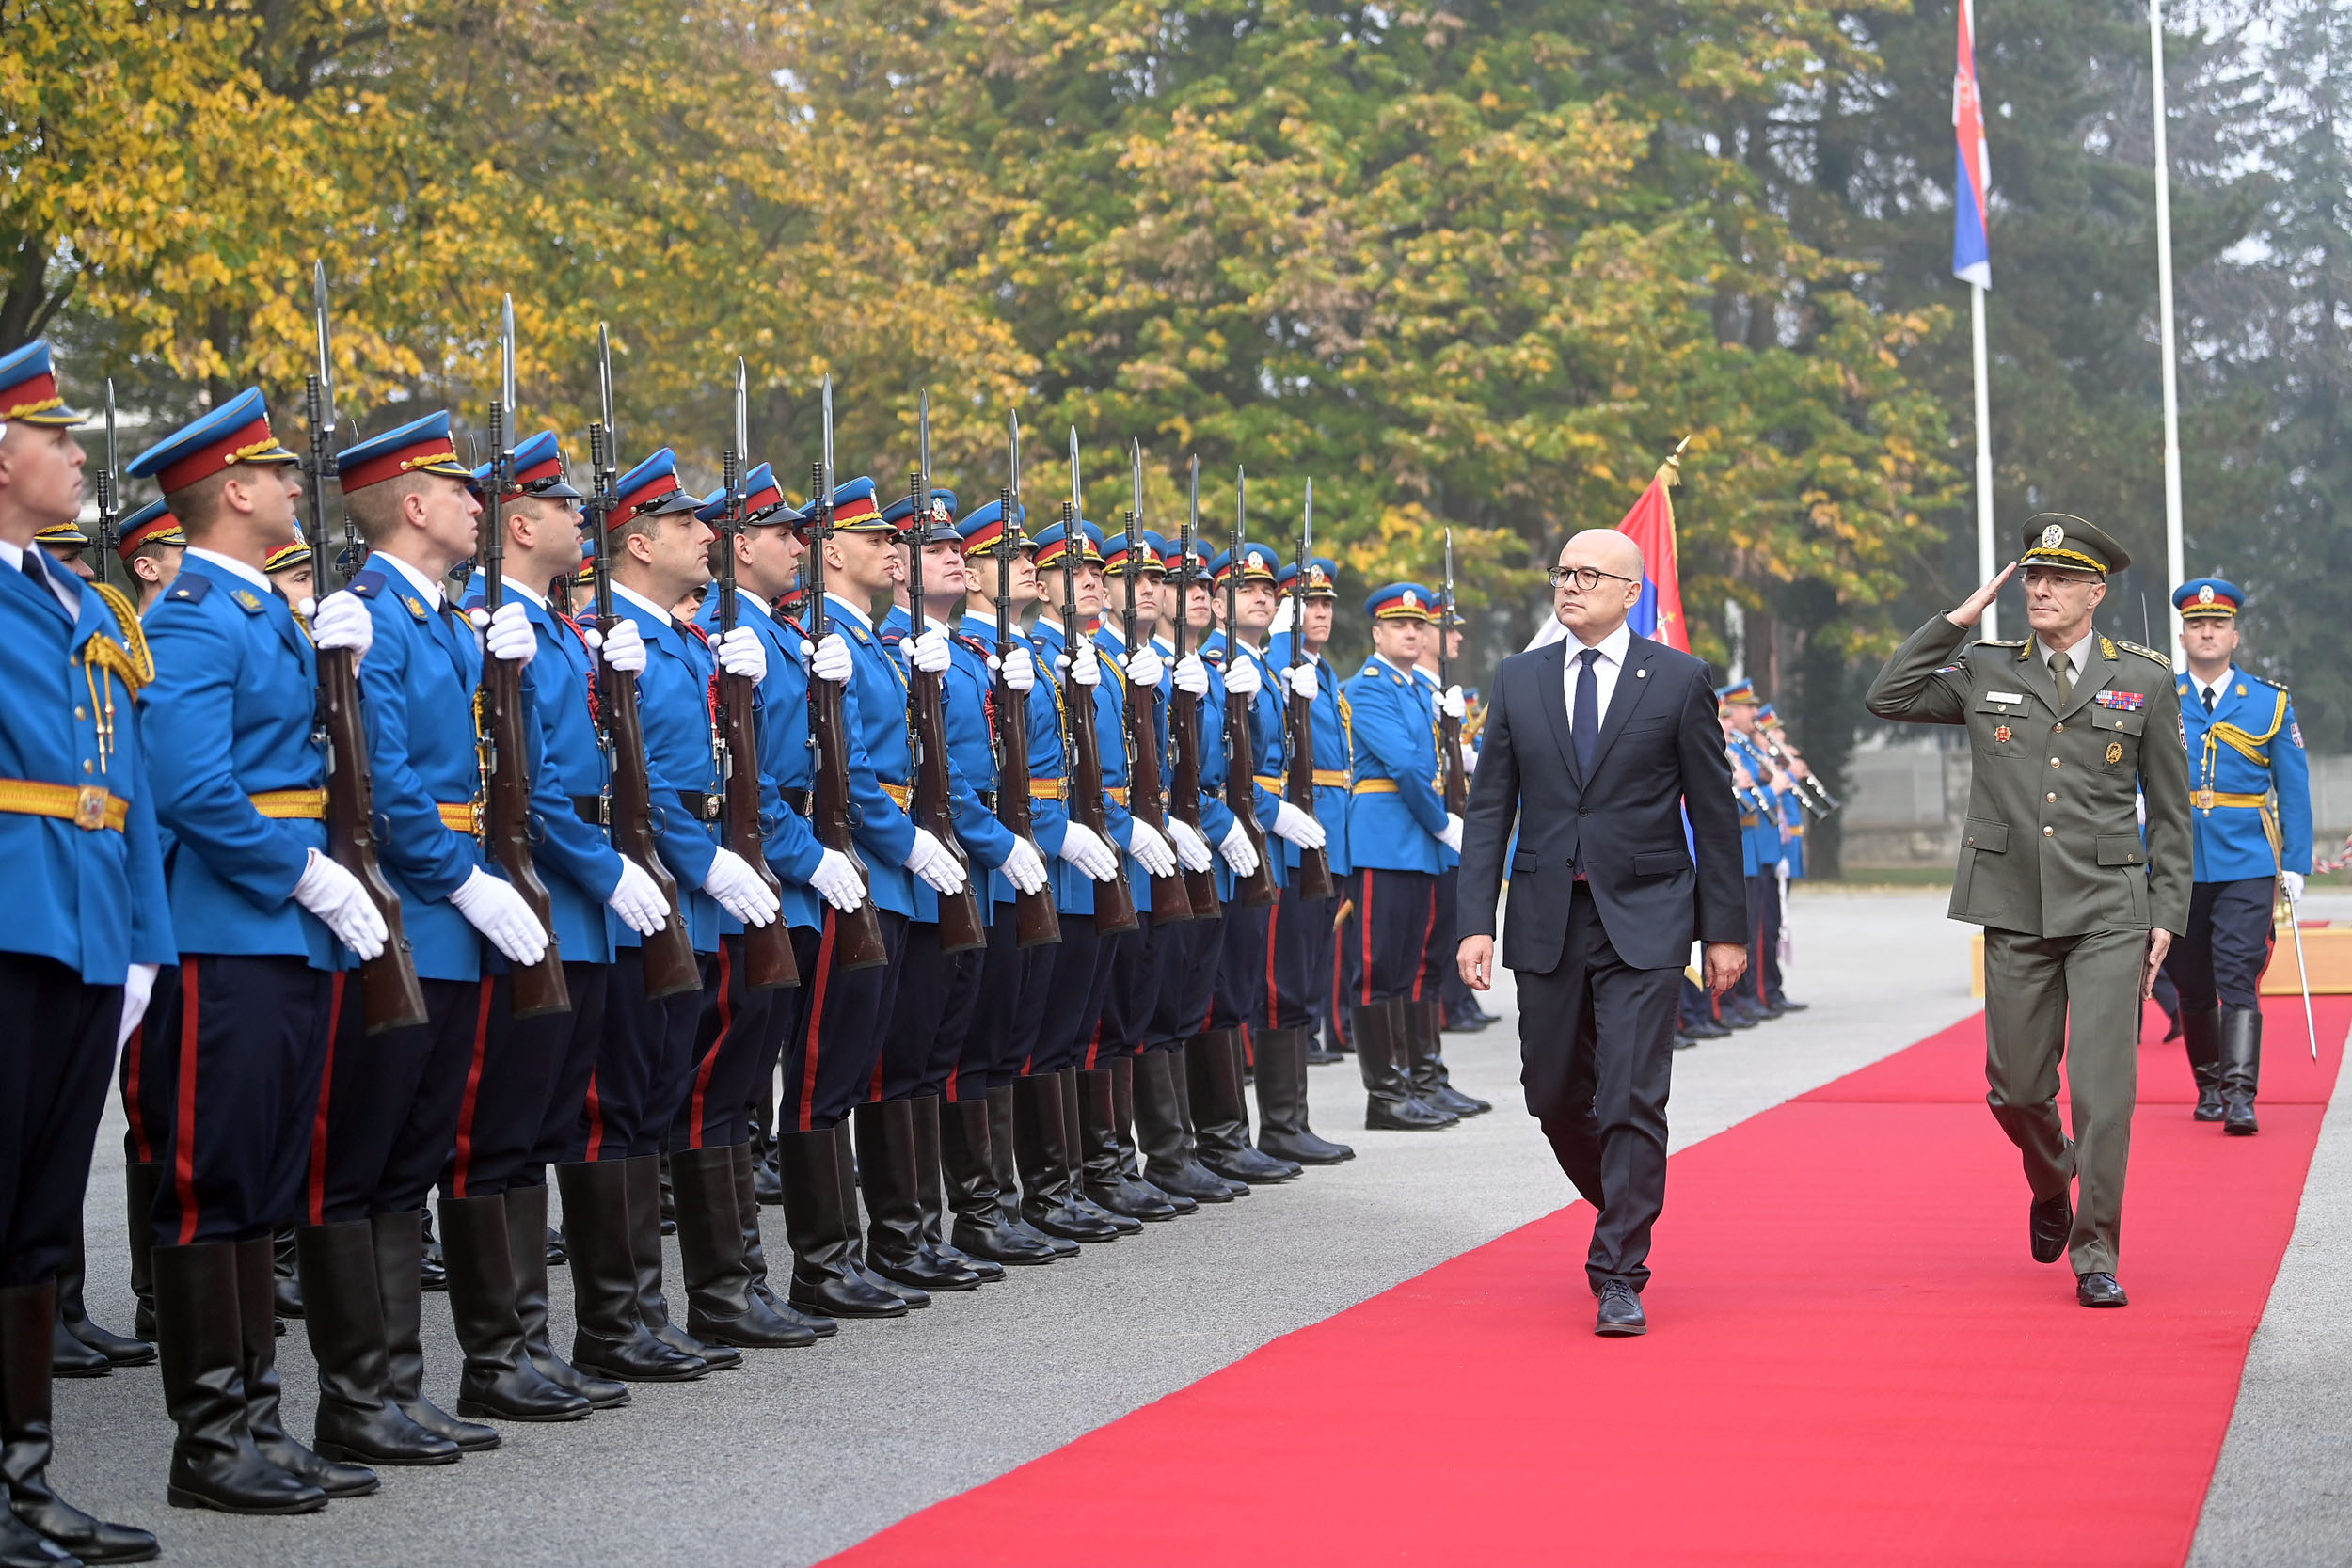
244 598
2115 752
416 606
2122 701
2002 735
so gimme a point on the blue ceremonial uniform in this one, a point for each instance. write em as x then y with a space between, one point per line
674 703
792 847
1395 817
884 831
2248 745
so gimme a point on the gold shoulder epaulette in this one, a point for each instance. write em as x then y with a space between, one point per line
2001 641
2145 652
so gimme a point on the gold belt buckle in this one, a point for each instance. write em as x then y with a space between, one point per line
90 808
2201 799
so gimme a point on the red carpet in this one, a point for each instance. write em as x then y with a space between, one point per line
1852 1359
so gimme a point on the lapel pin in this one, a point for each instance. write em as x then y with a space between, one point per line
1640 674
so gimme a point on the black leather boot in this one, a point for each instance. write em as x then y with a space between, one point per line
646 1227
2241 1067
140 1180
399 1239
1123 1123
1426 1020
747 1202
1040 1133
895 1247
1377 1030
967 1159
285 1282
1179 1078
118 1349
527 1255
845 1165
432 1271
1318 1052
2201 1028
1074 1151
28 1322
1160 1135
608 1338
1103 1167
1282 1130
931 1196
721 1308
215 1462
1221 1111
823 1278
498 1381
257 1342
357 1421
1004 1151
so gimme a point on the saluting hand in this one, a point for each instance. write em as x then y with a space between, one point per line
1972 609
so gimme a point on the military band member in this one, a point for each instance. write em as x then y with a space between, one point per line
1398 831
89 927
151 546
2069 729
1426 1006
2250 827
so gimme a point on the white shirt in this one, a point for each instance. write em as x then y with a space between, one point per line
1605 669
429 587
660 611
234 567
864 618
2074 664
2209 694
14 555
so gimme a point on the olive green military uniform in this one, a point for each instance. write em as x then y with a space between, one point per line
2053 866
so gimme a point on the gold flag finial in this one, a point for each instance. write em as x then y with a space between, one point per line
1670 471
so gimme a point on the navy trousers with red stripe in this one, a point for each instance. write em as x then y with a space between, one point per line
1395 914
1187 984
1241 980
387 1111
645 1055
839 1022
520 1068
1436 958
1009 1005
930 1017
567 1088
147 1075
738 1038
1074 996
57 1051
1299 964
228 1063
1138 961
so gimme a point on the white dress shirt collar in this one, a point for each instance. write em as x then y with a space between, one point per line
659 612
52 574
232 566
1613 647
427 586
864 618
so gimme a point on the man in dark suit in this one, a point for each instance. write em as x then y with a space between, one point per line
1599 746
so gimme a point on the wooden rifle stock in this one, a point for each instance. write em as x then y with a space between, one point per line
961 927
1298 786
671 966
1114 904
768 960
1036 922
390 994
857 935
1241 771
1170 899
1184 787
538 989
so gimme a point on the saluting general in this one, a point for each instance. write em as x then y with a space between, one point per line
2067 730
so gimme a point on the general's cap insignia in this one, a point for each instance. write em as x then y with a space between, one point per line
2115 752
2204 594
2053 536
245 596
938 511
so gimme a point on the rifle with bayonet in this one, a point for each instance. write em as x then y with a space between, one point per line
1812 794
768 960
390 998
109 508
1114 903
670 967
1170 900
1184 719
962 928
1241 752
1454 790
857 934
1035 920
538 989
1298 720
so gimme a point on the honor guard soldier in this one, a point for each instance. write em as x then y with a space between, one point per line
2251 824
1761 834
1432 1083
237 1041
1398 831
90 927
2070 730
660 553
150 547
390 1102
292 571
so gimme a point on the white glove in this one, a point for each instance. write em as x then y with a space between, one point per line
637 899
1300 678
341 620
507 636
341 903
1019 669
1024 868
1452 705
1241 854
934 862
837 881
1150 849
625 646
1191 848
1082 666
740 653
1192 677
740 891
1451 837
828 660
2293 880
1145 667
1298 826
138 987
1083 849
1241 676
927 652
498 913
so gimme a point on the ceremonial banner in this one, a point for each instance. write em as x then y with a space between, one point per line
1972 260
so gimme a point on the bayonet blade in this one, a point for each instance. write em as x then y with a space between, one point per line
1016 460
1077 504
923 443
112 465
327 358
742 412
507 359
604 391
1135 475
1307 538
827 498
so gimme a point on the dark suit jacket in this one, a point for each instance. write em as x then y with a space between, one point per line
1661 750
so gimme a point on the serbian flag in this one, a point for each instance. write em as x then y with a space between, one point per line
1972 260
1658 613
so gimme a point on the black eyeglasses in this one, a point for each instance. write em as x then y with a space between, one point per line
1586 577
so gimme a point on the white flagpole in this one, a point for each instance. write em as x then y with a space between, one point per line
2174 566
1984 457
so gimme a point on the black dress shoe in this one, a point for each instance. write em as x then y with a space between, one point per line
1683 1043
1784 1006
1620 1315
2047 1223
2209 1106
2099 1290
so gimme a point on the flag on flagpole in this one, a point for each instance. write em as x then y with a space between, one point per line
1972 259
1658 613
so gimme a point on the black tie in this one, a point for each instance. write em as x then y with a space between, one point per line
1585 719
2208 695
